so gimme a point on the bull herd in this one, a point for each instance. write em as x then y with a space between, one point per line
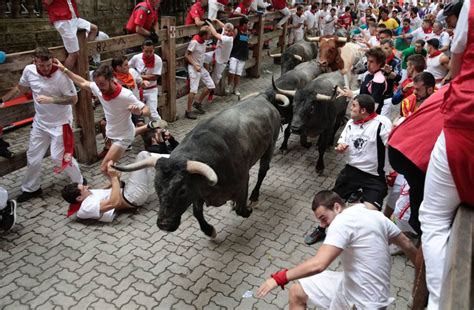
212 163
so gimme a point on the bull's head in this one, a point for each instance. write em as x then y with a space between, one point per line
281 95
329 51
177 183
309 111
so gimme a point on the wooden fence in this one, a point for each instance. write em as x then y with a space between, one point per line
171 52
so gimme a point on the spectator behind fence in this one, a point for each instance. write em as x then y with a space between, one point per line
63 14
144 20
196 14
281 6
53 97
238 56
297 25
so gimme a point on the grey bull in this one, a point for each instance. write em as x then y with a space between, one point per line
212 163
297 53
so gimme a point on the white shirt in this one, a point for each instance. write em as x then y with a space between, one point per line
119 123
434 66
329 26
419 34
138 80
297 20
90 207
363 7
137 63
362 152
322 17
58 85
364 236
443 38
461 31
197 49
224 48
415 23
373 41
310 19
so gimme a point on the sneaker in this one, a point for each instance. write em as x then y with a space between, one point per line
198 107
189 115
210 97
227 90
8 215
25 196
84 181
4 143
236 92
4 152
157 124
316 236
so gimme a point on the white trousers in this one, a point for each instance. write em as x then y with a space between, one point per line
213 8
196 76
437 211
387 108
296 35
286 16
40 140
217 72
150 96
140 184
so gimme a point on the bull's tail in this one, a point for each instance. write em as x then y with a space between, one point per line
142 164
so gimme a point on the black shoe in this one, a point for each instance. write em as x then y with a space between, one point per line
198 108
4 152
317 235
8 216
25 196
4 143
189 115
84 181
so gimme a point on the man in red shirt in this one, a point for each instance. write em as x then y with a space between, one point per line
345 20
144 19
280 5
196 13
64 16
243 9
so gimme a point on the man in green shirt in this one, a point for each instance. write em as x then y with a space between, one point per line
417 49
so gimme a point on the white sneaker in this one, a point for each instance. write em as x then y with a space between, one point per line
236 92
227 90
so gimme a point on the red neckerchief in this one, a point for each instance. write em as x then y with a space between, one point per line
149 61
73 208
126 79
390 58
68 141
198 39
53 69
406 29
365 120
435 53
430 30
118 89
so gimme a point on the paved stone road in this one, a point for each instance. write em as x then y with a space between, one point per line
51 262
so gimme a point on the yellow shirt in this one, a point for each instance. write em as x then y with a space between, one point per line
390 23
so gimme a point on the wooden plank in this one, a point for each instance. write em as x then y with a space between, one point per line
86 146
169 78
119 43
12 114
254 71
18 61
458 288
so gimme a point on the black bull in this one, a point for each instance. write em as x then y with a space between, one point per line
297 53
212 163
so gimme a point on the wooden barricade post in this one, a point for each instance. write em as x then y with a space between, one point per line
169 78
86 147
254 71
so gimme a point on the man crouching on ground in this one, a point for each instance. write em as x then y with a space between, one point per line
102 204
361 236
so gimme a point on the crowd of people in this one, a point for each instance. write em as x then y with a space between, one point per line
406 143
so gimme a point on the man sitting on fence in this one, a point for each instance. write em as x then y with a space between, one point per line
118 104
195 58
102 204
53 95
149 65
144 20
64 16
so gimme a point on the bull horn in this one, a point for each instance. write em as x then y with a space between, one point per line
341 40
274 55
311 39
249 96
321 97
284 99
298 57
146 163
197 167
285 92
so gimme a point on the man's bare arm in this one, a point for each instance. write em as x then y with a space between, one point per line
15 92
406 245
78 80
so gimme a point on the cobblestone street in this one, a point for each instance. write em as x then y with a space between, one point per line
49 261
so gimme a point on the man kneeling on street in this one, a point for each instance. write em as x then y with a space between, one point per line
102 204
361 237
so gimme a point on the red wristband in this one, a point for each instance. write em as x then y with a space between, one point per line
280 278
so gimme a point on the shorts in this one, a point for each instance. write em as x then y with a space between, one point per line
195 77
122 143
68 31
351 179
236 66
93 212
322 288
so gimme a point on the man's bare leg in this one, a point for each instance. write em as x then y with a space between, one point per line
297 297
93 33
71 60
114 154
190 101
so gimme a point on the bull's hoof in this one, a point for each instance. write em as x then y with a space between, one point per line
284 148
252 204
214 233
320 171
306 144
210 232
244 212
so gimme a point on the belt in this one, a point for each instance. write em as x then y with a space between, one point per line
124 198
